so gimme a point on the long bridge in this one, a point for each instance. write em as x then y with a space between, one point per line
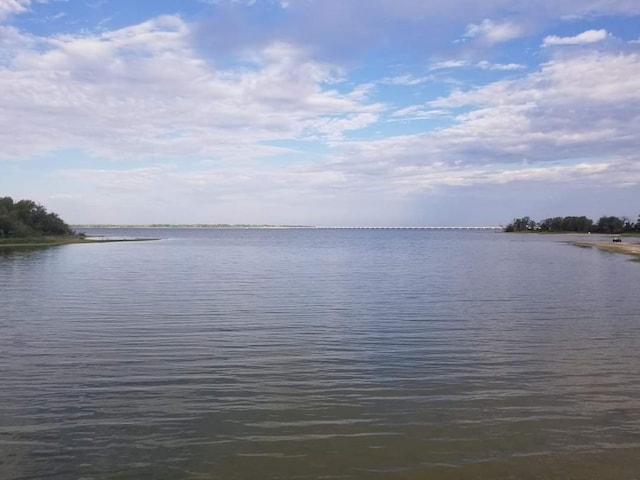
413 228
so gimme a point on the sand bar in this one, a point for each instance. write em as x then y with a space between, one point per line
627 246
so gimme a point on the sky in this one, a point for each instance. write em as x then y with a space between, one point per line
321 112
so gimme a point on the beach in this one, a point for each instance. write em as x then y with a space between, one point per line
628 246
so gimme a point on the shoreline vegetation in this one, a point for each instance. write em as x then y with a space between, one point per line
27 224
616 227
573 224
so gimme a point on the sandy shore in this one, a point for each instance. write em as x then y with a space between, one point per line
628 246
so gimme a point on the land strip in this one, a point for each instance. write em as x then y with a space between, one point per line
626 248
64 240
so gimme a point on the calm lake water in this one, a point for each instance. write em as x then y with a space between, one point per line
306 354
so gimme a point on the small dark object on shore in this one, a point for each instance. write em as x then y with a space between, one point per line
617 239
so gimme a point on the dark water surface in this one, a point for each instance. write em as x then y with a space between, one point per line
305 354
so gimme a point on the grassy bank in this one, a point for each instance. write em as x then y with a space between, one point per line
45 241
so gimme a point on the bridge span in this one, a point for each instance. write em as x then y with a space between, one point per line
497 228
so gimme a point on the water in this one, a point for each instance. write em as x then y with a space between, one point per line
305 354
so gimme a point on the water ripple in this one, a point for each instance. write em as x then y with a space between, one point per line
319 354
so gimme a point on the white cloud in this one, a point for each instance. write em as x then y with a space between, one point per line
574 120
590 77
10 7
589 36
491 32
143 91
416 178
447 64
415 112
485 65
406 80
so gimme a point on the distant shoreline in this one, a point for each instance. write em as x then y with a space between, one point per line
222 226
283 227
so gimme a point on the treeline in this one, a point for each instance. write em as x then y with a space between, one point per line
27 219
582 224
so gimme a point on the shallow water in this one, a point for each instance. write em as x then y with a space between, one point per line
292 354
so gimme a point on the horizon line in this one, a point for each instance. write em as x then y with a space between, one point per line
282 226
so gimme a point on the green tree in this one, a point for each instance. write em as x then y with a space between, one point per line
27 218
610 225
6 205
521 225
577 224
628 226
551 224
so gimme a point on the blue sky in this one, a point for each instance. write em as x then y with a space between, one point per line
321 112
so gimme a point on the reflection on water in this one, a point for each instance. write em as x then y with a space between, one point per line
319 354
